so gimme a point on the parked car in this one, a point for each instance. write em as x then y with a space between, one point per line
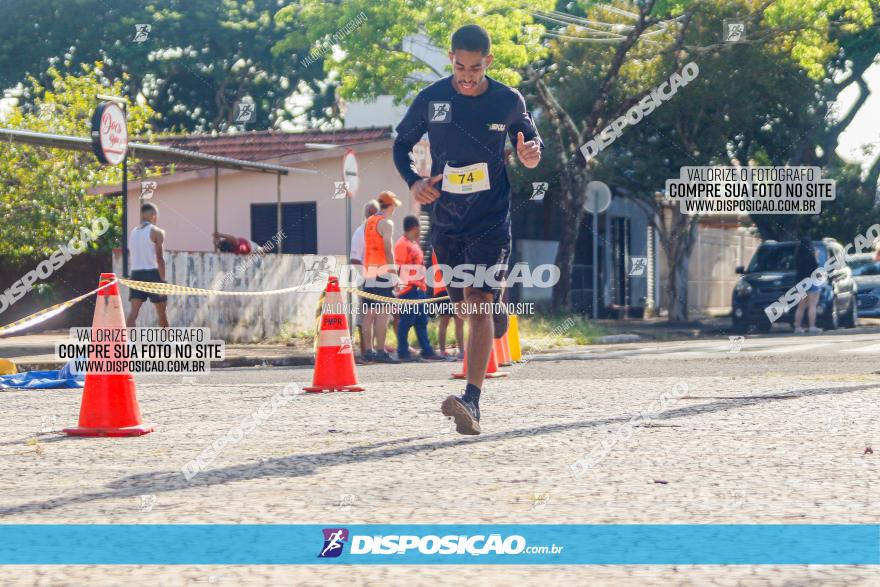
866 274
771 273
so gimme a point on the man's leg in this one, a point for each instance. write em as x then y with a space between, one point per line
421 325
131 322
162 314
380 325
459 333
441 333
361 337
404 322
367 331
479 343
813 302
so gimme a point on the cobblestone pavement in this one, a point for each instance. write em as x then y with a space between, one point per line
748 437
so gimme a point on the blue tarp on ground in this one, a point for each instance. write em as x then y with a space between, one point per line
66 377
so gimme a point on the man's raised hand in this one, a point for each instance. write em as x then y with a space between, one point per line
529 152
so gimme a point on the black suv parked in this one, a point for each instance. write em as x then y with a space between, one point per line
771 273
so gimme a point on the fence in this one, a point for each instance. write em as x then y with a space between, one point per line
237 319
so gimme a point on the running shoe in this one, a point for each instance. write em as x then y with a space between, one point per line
434 357
465 414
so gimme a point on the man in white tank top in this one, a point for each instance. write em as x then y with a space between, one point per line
147 264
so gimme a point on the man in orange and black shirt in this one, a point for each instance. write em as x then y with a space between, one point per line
411 264
379 277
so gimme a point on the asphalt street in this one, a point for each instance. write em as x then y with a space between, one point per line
764 429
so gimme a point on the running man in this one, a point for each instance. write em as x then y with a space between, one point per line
147 264
468 117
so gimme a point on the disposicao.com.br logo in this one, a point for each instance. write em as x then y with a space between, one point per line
430 544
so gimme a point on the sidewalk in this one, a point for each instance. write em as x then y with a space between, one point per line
35 352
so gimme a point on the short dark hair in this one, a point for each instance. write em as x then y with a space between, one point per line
148 207
471 37
410 222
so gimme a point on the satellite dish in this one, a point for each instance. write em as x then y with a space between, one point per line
598 197
350 172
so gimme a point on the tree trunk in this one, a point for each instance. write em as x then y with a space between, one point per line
677 288
573 182
677 233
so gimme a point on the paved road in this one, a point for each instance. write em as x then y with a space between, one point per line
762 430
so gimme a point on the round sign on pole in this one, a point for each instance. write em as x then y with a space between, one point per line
598 197
350 173
109 133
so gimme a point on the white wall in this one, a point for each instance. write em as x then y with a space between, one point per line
237 319
186 208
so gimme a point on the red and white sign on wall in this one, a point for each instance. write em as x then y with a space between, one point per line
109 133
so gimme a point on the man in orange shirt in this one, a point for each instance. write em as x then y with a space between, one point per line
411 268
379 277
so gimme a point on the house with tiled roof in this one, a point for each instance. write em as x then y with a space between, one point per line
246 203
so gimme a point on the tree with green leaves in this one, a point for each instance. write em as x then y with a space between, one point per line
610 69
198 59
605 57
46 191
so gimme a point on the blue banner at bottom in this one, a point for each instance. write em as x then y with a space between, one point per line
423 544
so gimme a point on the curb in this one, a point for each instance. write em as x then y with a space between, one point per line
294 361
619 338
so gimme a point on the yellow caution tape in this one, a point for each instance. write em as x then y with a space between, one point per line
172 289
47 313
378 298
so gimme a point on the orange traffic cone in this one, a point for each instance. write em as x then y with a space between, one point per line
334 363
502 351
491 369
109 406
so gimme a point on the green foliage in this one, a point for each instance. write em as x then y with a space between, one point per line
374 62
852 211
201 56
44 200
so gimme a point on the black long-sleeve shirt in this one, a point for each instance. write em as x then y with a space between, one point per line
463 130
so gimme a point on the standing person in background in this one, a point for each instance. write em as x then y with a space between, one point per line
379 271
804 264
410 261
356 255
446 314
145 246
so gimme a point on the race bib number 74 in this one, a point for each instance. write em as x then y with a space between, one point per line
466 180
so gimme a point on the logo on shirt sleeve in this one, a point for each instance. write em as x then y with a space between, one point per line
497 126
440 112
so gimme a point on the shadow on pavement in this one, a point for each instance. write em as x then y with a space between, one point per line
306 464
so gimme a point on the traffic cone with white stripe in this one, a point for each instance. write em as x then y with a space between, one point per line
109 406
491 368
502 352
334 361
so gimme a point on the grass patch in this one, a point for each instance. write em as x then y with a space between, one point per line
545 331
551 330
